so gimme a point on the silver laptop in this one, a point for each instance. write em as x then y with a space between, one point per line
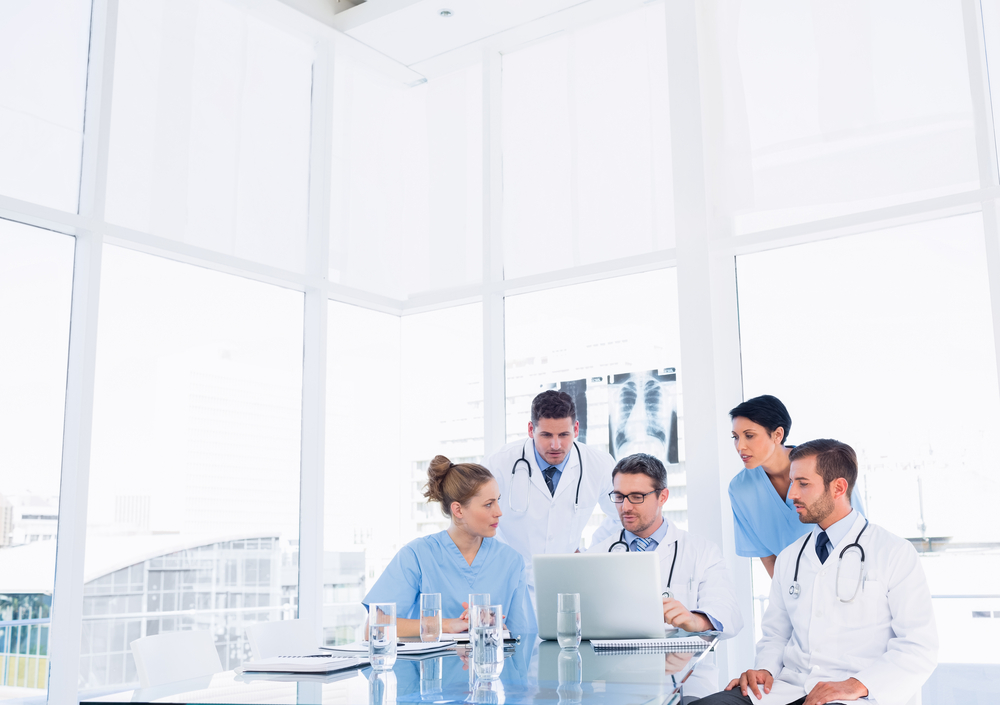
619 593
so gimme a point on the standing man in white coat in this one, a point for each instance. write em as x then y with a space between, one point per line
850 615
550 484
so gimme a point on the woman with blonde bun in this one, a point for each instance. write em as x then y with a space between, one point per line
462 560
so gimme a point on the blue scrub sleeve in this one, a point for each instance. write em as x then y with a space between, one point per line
400 583
856 502
747 543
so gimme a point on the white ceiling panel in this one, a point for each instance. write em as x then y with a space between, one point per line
413 31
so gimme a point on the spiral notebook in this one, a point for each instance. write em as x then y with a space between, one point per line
649 646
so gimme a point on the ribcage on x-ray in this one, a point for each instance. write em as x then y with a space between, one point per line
645 416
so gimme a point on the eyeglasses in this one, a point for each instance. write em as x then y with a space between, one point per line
634 498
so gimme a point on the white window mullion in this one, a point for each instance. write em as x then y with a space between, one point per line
494 371
67 599
315 348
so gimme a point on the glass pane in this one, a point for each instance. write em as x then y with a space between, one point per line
991 28
586 149
36 279
197 408
442 402
406 202
836 108
43 79
605 346
363 432
210 129
891 350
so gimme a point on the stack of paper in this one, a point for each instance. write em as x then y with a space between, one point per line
316 663
402 648
647 646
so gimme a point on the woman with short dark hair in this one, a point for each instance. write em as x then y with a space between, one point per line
764 519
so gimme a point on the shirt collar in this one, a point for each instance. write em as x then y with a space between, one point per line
656 536
838 531
542 464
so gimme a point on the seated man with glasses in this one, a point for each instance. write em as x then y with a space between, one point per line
698 594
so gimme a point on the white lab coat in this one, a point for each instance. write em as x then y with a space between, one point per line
551 524
701 580
886 637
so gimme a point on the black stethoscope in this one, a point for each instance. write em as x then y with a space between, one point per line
620 546
795 589
523 459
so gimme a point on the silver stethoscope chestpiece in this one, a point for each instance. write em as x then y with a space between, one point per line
794 589
667 594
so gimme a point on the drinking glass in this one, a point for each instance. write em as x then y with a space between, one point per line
382 635
430 616
486 626
431 675
476 598
381 688
570 669
568 630
488 692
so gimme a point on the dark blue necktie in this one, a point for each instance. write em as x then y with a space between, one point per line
547 473
823 546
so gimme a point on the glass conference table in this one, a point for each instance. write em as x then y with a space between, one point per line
534 671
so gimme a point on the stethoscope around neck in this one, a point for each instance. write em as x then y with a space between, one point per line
524 459
795 589
621 546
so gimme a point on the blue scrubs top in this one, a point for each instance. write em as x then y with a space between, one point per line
434 564
763 522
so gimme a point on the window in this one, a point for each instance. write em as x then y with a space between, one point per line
210 129
586 152
36 275
836 108
197 412
43 79
595 341
406 203
362 461
885 341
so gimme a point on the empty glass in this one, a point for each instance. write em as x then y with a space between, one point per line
486 627
430 616
382 635
568 630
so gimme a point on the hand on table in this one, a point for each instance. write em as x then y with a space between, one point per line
751 680
676 614
835 691
456 625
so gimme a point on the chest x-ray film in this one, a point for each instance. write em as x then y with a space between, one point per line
642 414
577 389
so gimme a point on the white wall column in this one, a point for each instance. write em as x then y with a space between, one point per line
709 324
494 371
71 535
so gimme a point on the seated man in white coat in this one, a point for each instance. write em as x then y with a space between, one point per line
697 592
550 484
850 615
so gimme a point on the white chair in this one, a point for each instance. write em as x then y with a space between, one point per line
175 656
285 637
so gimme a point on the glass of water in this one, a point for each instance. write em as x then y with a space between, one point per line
486 627
568 620
430 616
382 635
570 670
476 598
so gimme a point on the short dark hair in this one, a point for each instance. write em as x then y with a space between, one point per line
643 464
766 411
833 459
551 404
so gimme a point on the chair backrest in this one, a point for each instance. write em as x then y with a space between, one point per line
285 637
175 656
